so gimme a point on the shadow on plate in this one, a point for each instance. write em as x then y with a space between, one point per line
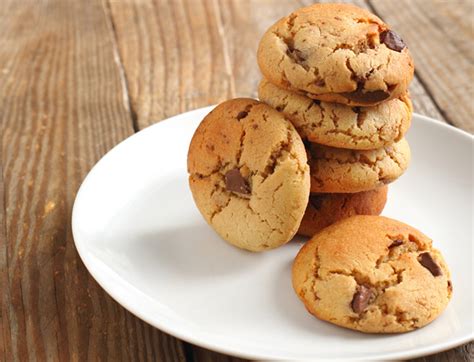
193 251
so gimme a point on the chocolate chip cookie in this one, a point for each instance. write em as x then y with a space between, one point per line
338 125
326 209
372 274
347 171
336 53
249 174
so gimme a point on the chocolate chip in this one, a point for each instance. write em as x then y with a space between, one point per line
366 97
392 40
316 201
242 114
320 83
300 55
361 298
450 286
236 183
395 243
427 261
296 55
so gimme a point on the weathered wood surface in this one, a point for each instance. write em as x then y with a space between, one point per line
440 34
61 109
75 80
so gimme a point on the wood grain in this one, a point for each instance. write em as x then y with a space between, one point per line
61 109
205 355
4 327
463 353
420 95
180 55
168 70
440 36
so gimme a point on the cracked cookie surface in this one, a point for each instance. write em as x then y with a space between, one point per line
336 53
339 125
326 209
372 274
348 171
249 174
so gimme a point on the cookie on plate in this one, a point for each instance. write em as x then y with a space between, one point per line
347 171
249 174
338 125
336 53
326 209
372 274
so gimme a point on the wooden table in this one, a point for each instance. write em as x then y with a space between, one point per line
77 77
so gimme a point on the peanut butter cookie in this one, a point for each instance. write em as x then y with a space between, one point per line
326 209
338 125
249 174
336 53
372 274
343 170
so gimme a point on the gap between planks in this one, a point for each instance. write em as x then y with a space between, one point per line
127 101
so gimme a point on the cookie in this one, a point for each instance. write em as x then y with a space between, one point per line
348 171
338 125
336 53
372 274
248 174
326 209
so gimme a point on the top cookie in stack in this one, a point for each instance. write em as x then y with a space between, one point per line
336 53
341 76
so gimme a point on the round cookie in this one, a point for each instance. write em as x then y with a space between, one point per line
336 53
347 171
326 209
338 125
372 274
249 174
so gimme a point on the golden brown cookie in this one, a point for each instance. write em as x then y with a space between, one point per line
326 209
336 53
248 174
347 171
338 125
372 274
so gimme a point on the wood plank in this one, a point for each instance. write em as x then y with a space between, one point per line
440 36
205 355
61 109
180 55
5 336
169 52
463 353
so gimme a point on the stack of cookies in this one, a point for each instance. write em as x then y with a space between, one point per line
329 129
341 76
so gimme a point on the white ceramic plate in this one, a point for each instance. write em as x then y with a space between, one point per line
142 238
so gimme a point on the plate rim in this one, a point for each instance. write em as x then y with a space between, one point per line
194 338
